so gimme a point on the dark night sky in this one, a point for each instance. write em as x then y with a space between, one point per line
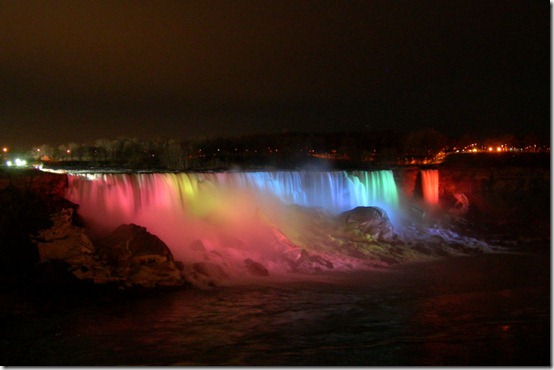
83 70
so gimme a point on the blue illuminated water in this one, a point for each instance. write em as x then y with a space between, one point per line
334 191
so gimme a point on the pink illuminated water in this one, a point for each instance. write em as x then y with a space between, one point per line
430 184
236 214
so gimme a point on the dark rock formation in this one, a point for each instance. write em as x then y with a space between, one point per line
66 243
140 258
38 182
129 257
255 268
505 192
207 274
508 199
209 268
23 213
133 242
309 263
27 198
368 220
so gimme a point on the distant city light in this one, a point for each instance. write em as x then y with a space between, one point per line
5 150
17 162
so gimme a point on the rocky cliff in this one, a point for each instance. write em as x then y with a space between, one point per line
27 198
498 192
41 238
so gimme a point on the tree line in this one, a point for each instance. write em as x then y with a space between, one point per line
281 150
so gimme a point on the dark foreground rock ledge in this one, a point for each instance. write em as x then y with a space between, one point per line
129 257
47 259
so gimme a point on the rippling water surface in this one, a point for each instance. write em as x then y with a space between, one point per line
485 310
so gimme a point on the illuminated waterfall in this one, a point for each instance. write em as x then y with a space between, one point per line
430 185
183 207
333 191
194 193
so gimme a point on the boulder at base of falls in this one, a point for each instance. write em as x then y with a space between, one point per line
207 274
140 258
129 257
372 221
309 263
255 268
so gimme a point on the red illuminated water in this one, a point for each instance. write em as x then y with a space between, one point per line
430 184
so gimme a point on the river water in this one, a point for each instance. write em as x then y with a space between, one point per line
492 309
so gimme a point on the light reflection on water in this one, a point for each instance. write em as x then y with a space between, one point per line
485 310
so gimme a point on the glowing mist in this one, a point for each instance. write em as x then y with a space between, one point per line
233 213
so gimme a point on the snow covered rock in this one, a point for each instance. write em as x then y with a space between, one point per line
130 256
140 258
373 221
65 242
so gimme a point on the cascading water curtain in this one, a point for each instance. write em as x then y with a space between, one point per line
430 185
334 191
133 197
